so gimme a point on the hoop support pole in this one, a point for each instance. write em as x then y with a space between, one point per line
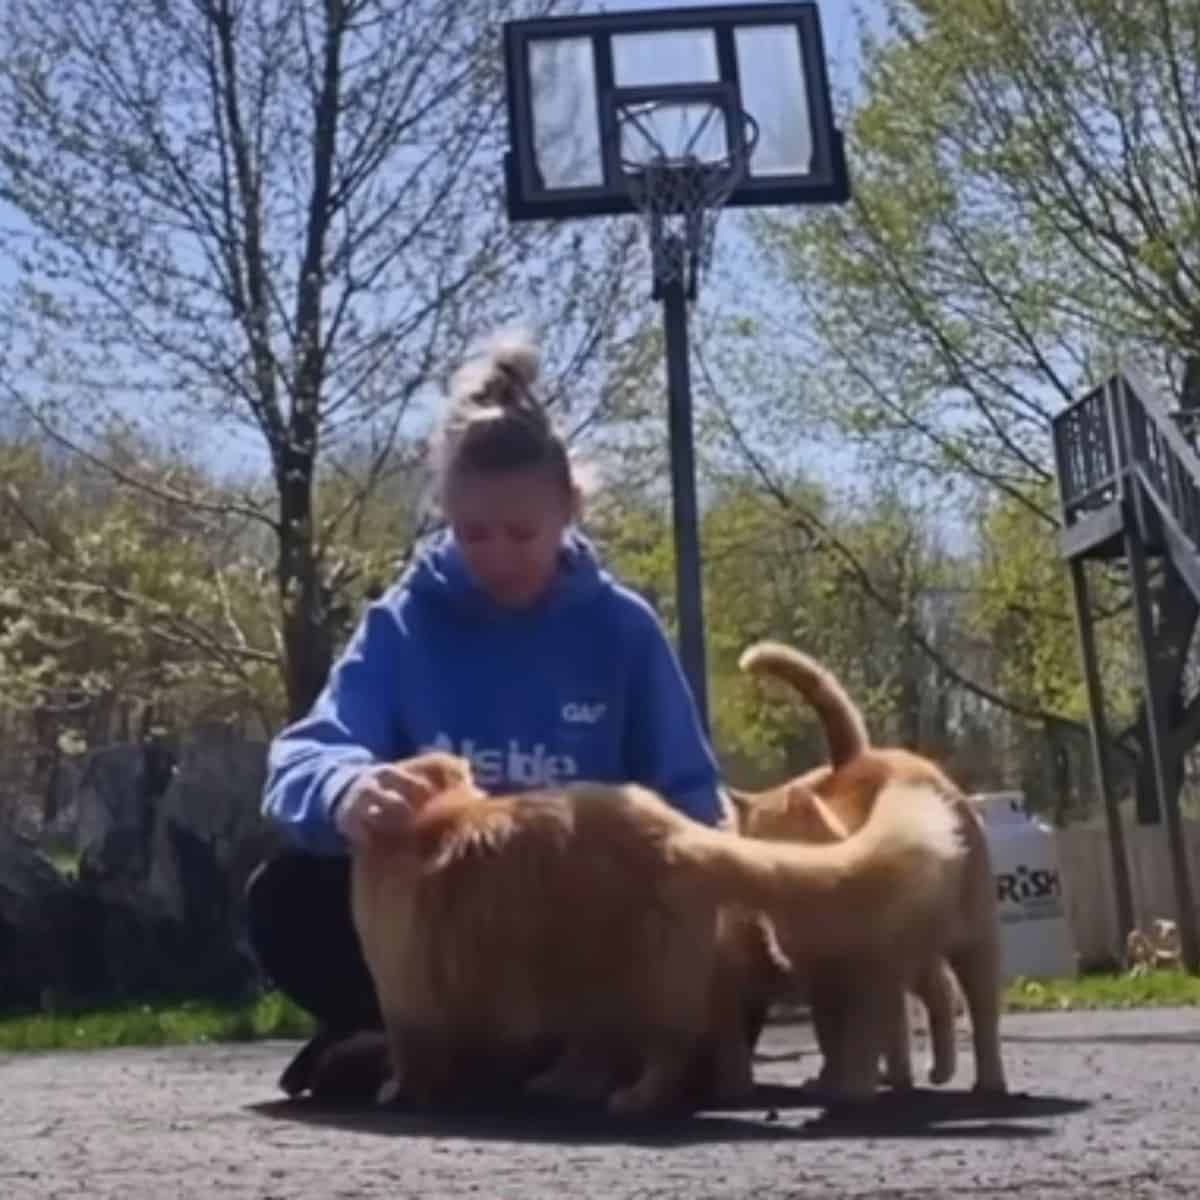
674 295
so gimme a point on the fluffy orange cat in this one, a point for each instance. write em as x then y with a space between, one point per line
831 802
589 915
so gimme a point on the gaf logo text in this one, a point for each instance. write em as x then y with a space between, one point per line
579 713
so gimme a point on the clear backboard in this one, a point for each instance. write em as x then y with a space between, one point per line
741 90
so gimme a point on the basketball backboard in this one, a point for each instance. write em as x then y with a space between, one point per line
590 94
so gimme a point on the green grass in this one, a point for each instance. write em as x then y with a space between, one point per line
1156 990
64 860
271 1016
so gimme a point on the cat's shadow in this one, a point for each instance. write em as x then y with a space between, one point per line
767 1115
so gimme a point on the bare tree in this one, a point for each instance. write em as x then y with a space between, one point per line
275 216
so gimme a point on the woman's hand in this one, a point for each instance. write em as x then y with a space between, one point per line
380 803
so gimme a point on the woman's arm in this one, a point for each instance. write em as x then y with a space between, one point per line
666 743
354 723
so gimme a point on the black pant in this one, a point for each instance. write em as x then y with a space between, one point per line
302 932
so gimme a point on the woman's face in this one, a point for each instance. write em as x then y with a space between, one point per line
509 526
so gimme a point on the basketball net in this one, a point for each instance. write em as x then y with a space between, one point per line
679 197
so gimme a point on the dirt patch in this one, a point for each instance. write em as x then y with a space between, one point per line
1111 1110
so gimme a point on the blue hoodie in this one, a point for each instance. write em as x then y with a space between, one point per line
581 685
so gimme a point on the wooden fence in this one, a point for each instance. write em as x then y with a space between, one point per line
1086 868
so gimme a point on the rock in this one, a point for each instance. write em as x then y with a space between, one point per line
165 847
208 836
208 831
35 910
115 805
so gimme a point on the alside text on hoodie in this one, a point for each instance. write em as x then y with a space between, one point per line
582 685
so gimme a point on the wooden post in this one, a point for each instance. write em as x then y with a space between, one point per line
1098 729
1156 729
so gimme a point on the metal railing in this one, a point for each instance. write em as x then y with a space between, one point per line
1117 429
1086 438
1166 463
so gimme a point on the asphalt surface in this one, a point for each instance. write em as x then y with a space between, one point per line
1112 1109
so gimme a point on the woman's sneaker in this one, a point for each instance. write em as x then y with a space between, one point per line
341 1066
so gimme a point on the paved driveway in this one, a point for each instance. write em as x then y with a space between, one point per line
1113 1110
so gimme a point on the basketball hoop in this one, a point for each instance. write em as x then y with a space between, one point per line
680 196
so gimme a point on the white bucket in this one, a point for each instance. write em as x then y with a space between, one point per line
1035 931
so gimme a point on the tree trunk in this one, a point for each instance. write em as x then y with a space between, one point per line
305 603
307 641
